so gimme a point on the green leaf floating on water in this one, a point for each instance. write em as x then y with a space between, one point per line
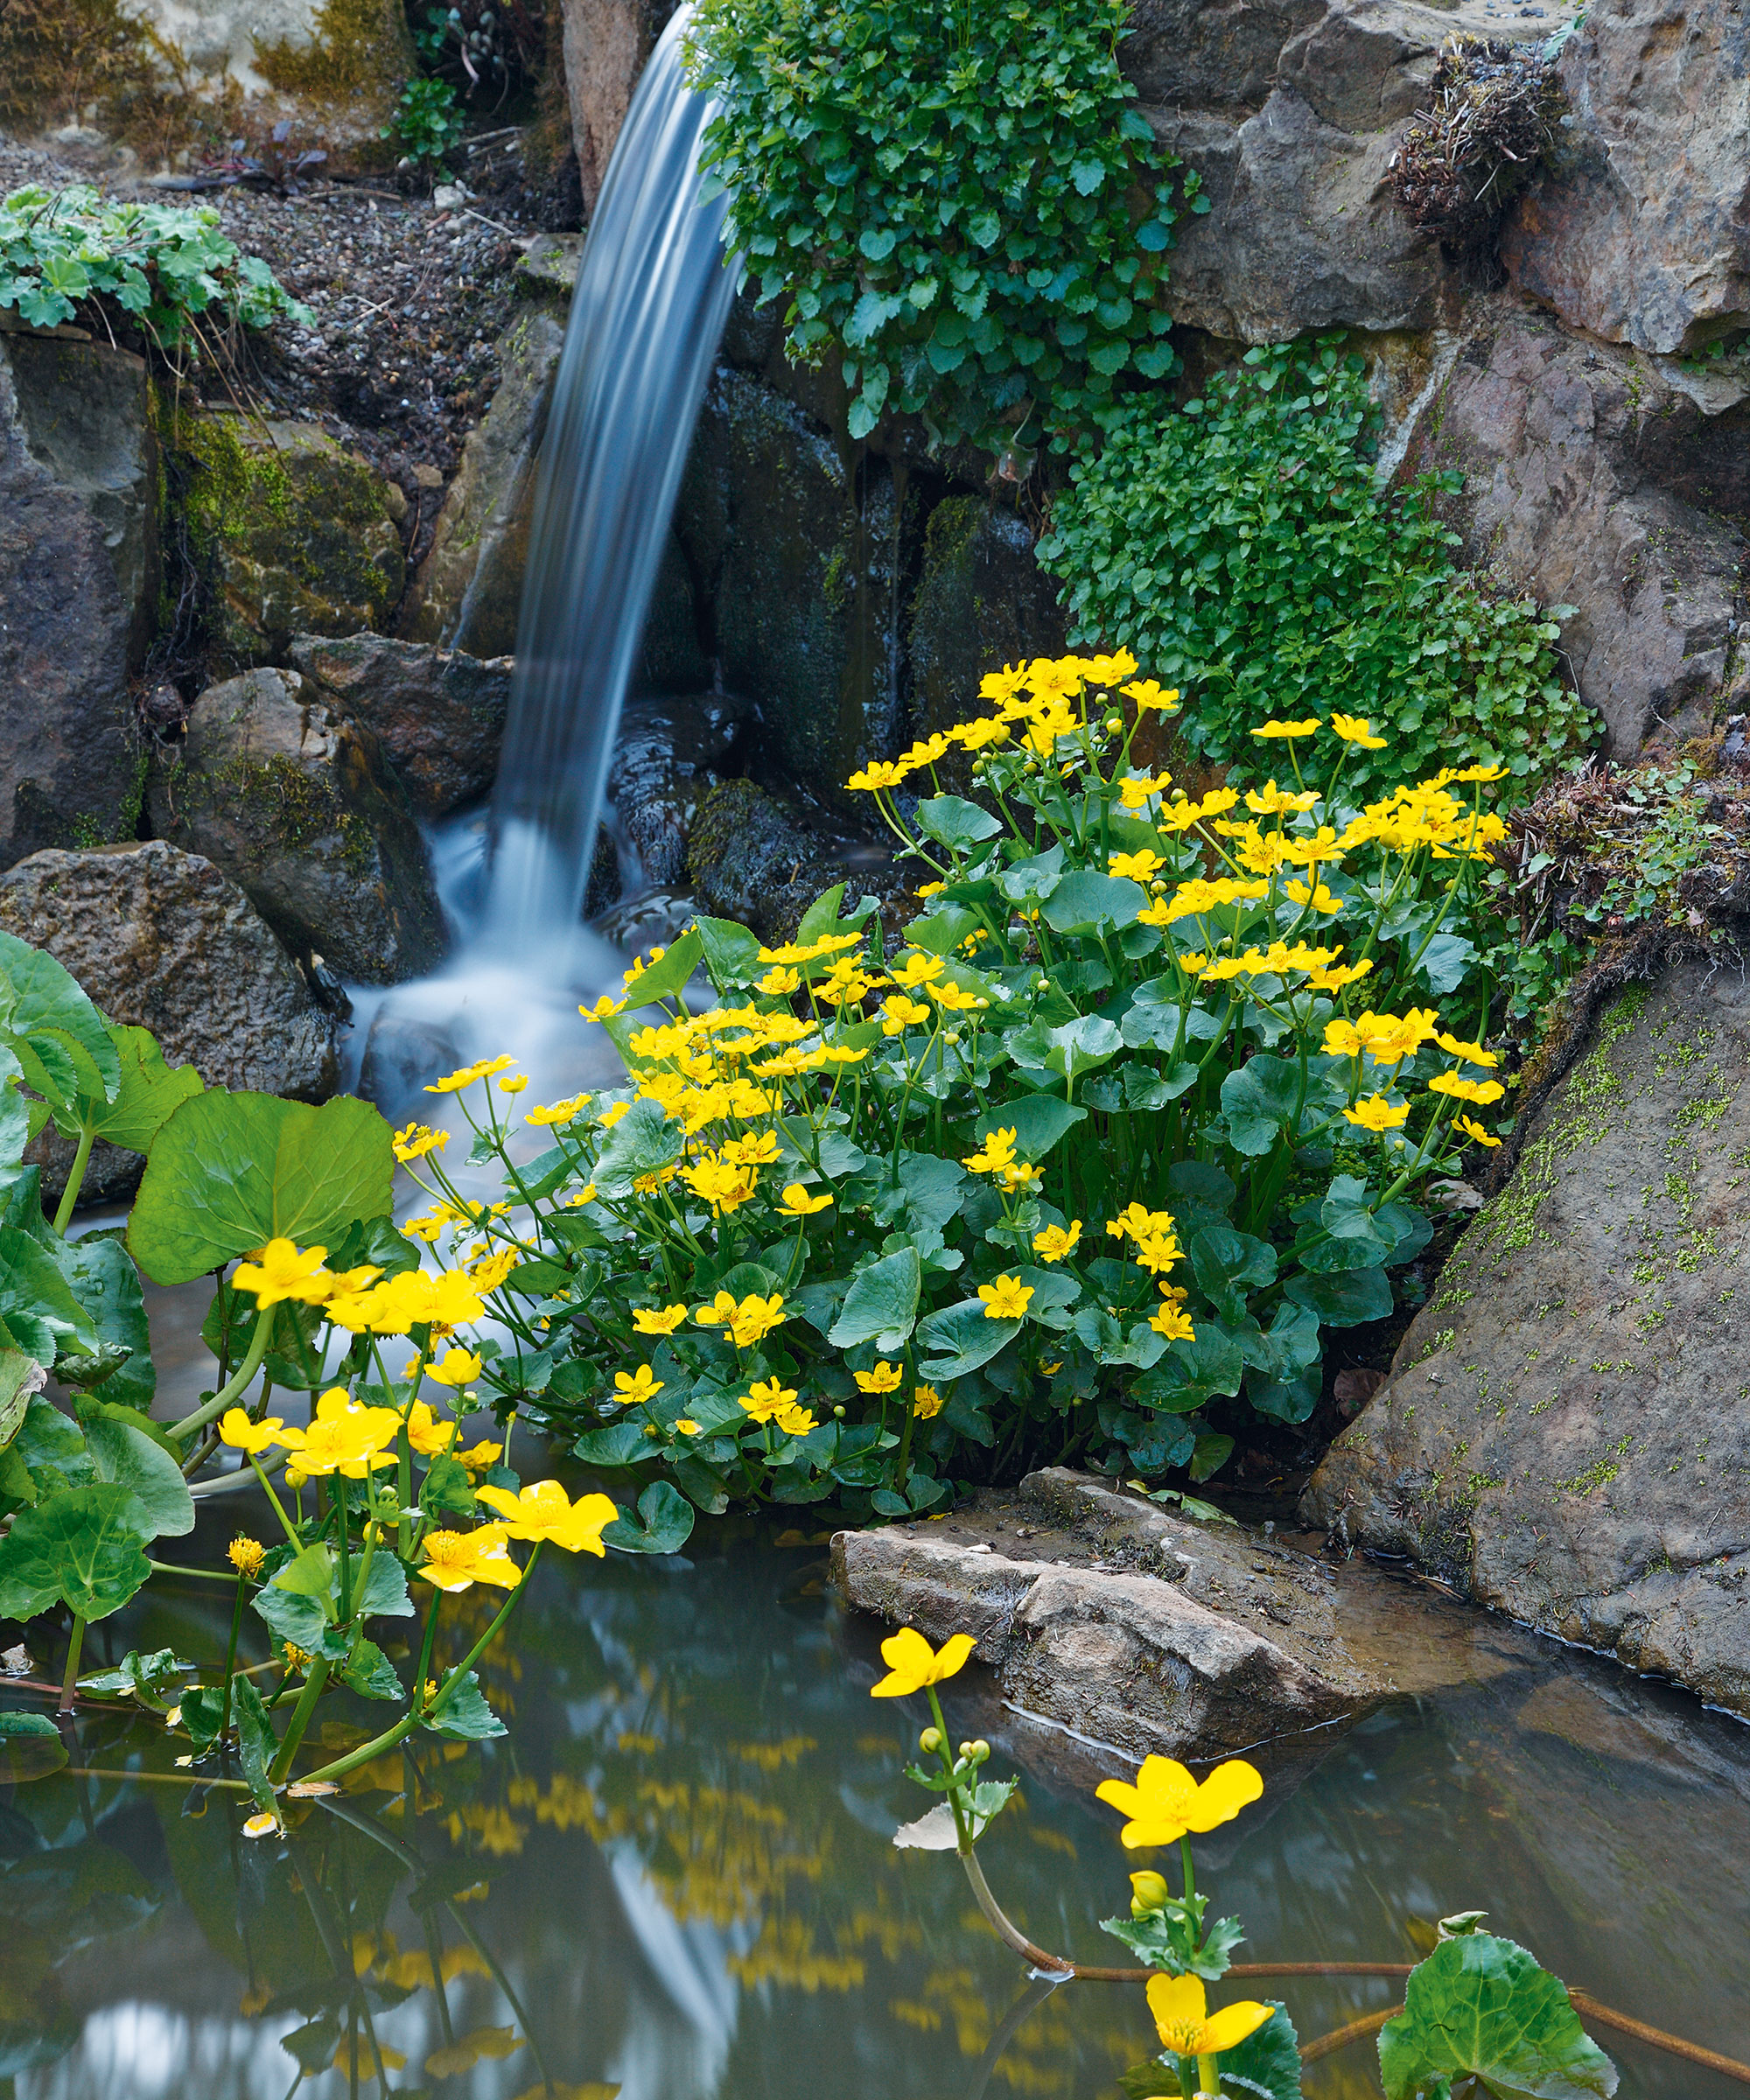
663 1524
1480 2007
30 1748
79 1548
230 1172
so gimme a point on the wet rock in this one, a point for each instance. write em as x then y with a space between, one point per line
291 534
469 589
1567 1430
1640 230
439 714
981 601
78 583
605 45
402 1053
1146 1631
750 858
798 563
603 887
652 919
668 756
1574 457
1302 231
160 939
296 804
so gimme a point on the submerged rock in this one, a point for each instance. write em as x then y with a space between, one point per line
290 533
295 803
1565 1433
1639 231
439 714
1141 1632
160 939
78 585
469 589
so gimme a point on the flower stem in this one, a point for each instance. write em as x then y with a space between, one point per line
234 1386
69 1682
300 1720
81 1159
231 1657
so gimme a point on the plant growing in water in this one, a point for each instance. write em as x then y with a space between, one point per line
1141 1111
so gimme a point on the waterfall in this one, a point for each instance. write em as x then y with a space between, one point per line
652 297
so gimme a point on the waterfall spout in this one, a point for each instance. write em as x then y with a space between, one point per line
653 294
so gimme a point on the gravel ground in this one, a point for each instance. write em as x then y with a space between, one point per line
410 298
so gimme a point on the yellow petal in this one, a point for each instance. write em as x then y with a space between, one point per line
1177 2003
1228 1789
1119 1793
951 1658
909 1658
1229 2028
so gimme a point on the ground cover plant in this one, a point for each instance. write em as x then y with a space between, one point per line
961 203
1082 1167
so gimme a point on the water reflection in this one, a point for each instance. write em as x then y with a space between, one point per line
673 1879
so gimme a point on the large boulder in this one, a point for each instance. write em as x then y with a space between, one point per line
1565 1433
1639 231
606 43
750 857
469 589
295 803
799 559
439 714
1593 478
161 940
78 588
290 533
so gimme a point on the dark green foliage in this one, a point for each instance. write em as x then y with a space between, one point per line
1242 549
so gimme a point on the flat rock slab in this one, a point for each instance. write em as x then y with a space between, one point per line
1566 1430
1133 1631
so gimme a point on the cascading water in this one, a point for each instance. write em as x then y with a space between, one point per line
653 294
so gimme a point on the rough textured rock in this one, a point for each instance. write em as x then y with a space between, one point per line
605 45
469 588
1104 1616
668 756
161 940
1575 459
799 563
439 714
1639 232
297 805
78 580
1567 1430
291 533
750 858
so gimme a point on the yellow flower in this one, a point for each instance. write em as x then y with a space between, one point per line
686 1426
926 1401
1473 1054
1307 728
899 1013
1166 1802
1158 1252
1480 1090
1314 894
280 1270
1378 1115
931 889
748 1322
478 1457
489 1067
459 1367
952 999
873 778
724 1187
1476 1132
246 1555
794 1421
765 1402
417 1140
997 1152
1138 867
614 1112
796 1203
514 1086
242 1434
1273 802
1057 1241
778 983
426 1433
604 1009
646 1321
1134 794
346 1438
1007 1298
751 1151
1186 2026
1174 1323
1148 1891
885 1378
914 970
1147 693
457 1560
542 1511
1356 729
912 1663
638 1388
558 1111
1383 1037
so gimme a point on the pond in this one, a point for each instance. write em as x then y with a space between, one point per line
675 1877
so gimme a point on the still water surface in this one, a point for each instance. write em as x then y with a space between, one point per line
674 1876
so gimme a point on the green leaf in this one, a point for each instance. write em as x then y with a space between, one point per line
1480 2007
31 1746
48 1021
644 1139
465 1717
447 1487
149 1095
882 1303
106 1285
230 1172
1192 1372
257 1745
39 1311
821 917
383 1594
1038 1120
162 1505
1259 1100
663 1524
730 953
1212 1451
954 822
619 1444
963 1338
21 1376
79 1548
1225 1263
300 1620
370 1673
149 1678
311 1574
1085 902
1342 1301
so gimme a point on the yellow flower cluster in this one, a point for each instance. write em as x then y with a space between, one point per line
354 1299
997 1158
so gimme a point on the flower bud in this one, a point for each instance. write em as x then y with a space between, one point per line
1148 1893
838 1414
981 1750
966 1750
930 1741
1114 724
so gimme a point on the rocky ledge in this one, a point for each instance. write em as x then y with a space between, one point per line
1108 1620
